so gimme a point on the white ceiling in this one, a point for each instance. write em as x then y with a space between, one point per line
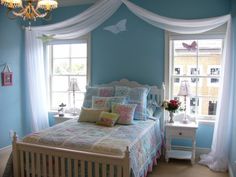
63 3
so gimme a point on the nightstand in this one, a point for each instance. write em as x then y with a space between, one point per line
59 119
179 130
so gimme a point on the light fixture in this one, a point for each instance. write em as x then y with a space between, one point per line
184 90
29 9
73 87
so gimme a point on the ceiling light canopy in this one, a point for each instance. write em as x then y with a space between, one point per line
29 9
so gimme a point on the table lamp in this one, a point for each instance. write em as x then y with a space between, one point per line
184 90
73 87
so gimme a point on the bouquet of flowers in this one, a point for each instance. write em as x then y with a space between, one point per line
171 106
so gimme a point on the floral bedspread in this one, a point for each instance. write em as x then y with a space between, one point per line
143 139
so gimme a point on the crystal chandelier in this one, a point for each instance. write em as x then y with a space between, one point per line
29 9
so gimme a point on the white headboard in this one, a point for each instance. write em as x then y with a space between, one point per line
156 93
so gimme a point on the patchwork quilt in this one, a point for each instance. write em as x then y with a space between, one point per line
143 139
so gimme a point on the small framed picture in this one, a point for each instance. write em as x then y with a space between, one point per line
7 76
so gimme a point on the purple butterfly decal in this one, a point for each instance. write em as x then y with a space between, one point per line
191 47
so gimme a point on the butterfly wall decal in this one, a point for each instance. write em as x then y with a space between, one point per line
190 47
118 27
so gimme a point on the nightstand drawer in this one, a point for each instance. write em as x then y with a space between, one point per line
177 132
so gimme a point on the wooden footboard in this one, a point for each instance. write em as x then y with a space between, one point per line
31 160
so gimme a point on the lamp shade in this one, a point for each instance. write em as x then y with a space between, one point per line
184 89
73 85
47 4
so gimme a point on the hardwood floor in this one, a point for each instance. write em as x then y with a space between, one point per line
4 155
183 168
175 168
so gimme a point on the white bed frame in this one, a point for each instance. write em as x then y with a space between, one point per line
30 160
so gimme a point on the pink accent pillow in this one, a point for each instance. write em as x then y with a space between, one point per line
126 112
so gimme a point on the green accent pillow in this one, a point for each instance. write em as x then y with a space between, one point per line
89 114
107 119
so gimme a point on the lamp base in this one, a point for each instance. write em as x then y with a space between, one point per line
185 121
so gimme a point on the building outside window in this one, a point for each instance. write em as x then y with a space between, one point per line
200 58
67 62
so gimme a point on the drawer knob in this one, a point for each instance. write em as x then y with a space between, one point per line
180 133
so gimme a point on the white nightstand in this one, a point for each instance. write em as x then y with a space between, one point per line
181 131
59 119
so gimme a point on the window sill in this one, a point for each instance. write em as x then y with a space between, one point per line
206 122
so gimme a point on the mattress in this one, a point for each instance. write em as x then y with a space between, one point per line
143 139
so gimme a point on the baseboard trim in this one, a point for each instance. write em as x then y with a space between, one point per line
231 174
5 150
199 150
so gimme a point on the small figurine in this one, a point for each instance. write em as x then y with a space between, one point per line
61 109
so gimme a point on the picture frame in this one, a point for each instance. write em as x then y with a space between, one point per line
7 76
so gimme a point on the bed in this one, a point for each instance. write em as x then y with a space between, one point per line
81 149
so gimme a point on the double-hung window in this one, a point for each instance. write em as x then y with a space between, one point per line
68 61
197 60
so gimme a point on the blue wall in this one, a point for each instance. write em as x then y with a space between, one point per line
137 54
233 138
11 52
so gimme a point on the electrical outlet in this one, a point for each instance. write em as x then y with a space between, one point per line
11 133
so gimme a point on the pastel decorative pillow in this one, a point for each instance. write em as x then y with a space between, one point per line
96 91
138 95
106 102
89 114
122 91
126 112
107 119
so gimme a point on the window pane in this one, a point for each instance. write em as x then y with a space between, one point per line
61 51
79 50
207 88
186 65
208 106
58 98
59 83
210 47
79 66
79 98
61 66
185 48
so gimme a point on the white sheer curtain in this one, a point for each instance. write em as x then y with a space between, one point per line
96 15
217 159
35 81
68 29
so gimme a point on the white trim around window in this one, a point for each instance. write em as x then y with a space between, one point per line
216 34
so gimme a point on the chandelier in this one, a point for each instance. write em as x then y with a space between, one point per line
29 9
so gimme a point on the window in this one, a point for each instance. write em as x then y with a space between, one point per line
200 59
68 62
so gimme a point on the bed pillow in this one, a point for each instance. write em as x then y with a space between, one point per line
107 119
126 112
106 102
138 95
89 114
122 91
96 91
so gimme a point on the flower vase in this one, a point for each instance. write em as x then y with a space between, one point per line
171 114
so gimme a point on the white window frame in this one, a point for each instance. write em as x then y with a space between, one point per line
218 33
49 65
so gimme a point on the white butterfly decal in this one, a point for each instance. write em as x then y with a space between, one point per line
118 27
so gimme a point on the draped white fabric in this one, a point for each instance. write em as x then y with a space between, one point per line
97 14
35 80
